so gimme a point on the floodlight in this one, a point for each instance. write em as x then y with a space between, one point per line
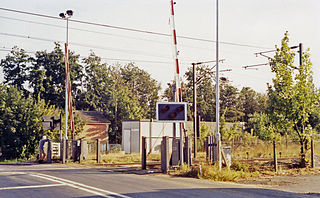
69 12
62 15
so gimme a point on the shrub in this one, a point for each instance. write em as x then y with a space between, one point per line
238 166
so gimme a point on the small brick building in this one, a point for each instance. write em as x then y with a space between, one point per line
96 126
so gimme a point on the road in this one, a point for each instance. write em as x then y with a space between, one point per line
57 180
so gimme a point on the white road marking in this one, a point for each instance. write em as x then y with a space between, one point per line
26 187
79 186
12 173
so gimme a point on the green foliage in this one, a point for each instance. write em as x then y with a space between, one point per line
251 102
121 92
143 87
20 122
48 77
16 67
238 105
238 166
292 97
229 102
212 172
260 125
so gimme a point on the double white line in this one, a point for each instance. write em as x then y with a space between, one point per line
83 187
62 182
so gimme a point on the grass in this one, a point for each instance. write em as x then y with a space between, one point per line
212 172
14 161
118 157
264 149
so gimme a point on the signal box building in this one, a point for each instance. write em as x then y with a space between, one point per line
134 130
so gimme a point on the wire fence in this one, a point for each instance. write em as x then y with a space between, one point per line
261 151
257 151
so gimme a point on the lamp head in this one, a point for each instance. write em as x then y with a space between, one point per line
69 13
62 15
223 79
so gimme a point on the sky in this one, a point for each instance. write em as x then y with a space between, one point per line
246 27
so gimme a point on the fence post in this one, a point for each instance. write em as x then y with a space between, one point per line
187 152
67 149
207 148
165 154
312 153
212 147
64 150
275 160
74 150
49 152
144 154
83 150
217 151
98 151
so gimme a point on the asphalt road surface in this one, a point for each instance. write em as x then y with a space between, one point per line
62 181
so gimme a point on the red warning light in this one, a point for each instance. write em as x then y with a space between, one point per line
171 111
173 115
180 108
165 108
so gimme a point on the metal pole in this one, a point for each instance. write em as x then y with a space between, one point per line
98 151
217 86
67 39
194 110
176 76
312 153
300 53
144 154
66 97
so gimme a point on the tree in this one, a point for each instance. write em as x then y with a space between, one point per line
251 102
205 93
229 101
292 97
122 103
121 92
143 87
96 83
260 126
47 77
20 122
16 68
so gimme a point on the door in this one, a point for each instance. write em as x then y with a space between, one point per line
126 141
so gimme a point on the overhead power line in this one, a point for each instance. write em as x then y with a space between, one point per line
6 49
82 45
131 29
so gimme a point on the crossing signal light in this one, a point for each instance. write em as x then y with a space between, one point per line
165 108
171 111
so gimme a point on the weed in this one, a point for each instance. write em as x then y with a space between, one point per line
238 166
212 172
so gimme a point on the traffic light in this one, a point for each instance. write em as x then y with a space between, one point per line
171 111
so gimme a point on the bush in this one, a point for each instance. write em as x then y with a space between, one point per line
212 172
238 166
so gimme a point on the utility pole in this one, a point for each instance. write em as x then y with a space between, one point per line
217 135
195 116
195 109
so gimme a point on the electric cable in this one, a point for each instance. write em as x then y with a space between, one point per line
131 29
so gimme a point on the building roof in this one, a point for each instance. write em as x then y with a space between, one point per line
92 117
